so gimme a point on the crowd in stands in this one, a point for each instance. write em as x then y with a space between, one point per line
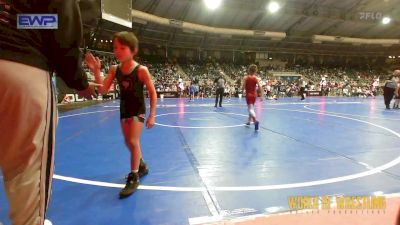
330 81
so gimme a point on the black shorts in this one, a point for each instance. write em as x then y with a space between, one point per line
139 118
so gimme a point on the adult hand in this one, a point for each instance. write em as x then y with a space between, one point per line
89 91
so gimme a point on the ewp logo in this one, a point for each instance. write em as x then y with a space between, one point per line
37 21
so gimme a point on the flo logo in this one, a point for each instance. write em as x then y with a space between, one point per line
370 15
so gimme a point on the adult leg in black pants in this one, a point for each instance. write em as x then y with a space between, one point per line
302 89
219 94
388 94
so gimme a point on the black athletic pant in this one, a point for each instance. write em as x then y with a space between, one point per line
219 94
388 94
302 90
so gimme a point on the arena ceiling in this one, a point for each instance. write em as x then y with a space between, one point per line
299 19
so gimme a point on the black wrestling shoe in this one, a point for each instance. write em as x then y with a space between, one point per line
132 183
143 169
256 125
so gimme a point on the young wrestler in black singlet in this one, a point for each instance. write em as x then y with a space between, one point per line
131 77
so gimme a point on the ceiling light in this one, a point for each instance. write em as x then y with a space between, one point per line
273 7
386 20
212 4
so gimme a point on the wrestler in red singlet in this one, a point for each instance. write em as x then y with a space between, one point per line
250 85
251 92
